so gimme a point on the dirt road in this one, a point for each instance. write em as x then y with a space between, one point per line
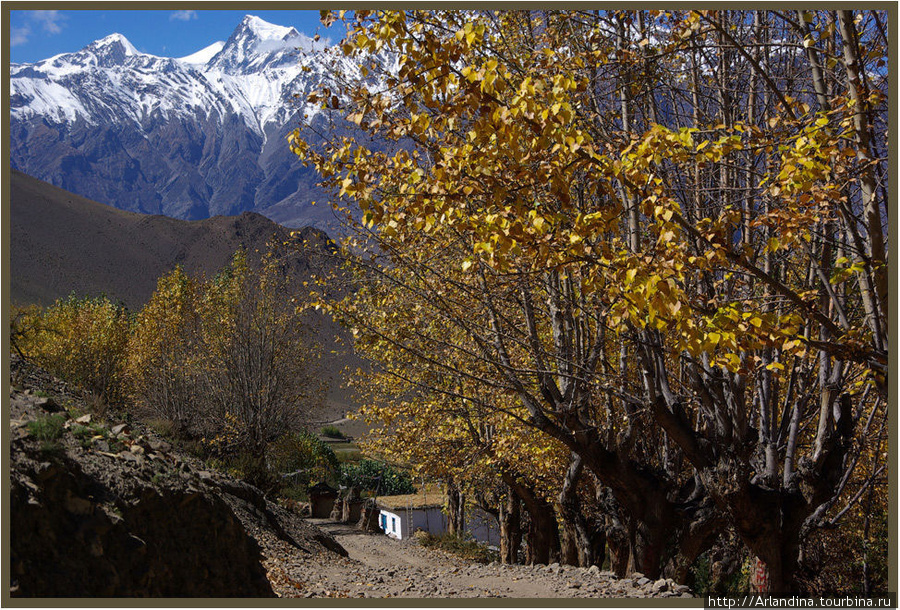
379 566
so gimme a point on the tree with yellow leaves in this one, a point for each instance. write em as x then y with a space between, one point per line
662 233
81 340
225 358
164 354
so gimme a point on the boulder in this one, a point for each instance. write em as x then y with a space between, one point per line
48 404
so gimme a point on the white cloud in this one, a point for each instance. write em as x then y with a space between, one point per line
183 15
51 21
19 36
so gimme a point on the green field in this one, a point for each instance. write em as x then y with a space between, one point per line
346 451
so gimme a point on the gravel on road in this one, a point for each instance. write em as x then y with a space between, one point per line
378 566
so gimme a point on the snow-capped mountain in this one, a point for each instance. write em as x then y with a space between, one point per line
188 137
202 57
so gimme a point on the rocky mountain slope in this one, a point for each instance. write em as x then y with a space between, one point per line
106 509
189 137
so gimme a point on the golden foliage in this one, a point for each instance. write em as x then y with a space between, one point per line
83 341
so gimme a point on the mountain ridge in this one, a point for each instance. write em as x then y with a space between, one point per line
186 139
62 243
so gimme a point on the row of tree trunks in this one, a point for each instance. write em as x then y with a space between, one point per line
581 544
542 533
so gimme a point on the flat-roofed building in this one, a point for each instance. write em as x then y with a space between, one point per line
400 516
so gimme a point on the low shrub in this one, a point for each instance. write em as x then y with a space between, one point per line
294 493
85 434
252 469
51 449
163 427
48 428
467 548
333 432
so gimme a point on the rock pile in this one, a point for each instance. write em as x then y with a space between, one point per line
107 510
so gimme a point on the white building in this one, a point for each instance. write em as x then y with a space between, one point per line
400 516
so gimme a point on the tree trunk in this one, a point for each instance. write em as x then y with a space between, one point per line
598 545
568 543
781 566
770 522
619 550
651 512
455 510
543 532
875 298
510 529
648 544
452 509
703 531
576 545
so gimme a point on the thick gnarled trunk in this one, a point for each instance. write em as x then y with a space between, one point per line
543 532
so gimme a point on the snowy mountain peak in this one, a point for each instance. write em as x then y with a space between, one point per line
256 44
113 40
112 49
202 57
263 30
194 136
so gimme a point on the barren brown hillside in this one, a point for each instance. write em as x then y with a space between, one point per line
62 243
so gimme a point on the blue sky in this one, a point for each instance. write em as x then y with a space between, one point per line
36 35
